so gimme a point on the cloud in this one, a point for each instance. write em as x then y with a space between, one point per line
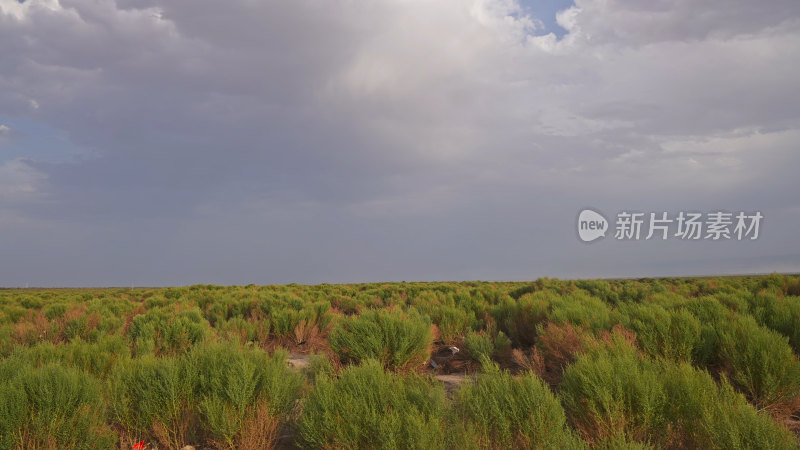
18 181
444 117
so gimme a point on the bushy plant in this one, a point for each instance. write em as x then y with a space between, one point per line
610 392
96 358
600 289
399 341
478 345
703 414
582 310
154 397
518 319
169 331
244 394
319 365
503 411
557 347
453 323
779 313
366 408
673 334
52 407
760 361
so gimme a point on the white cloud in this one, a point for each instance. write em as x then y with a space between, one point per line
461 86
18 180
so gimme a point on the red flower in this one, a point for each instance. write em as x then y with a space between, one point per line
138 446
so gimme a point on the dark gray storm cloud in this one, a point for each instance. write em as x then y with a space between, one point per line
192 141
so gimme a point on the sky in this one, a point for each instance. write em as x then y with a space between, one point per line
151 143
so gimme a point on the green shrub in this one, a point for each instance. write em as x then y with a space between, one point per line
779 313
167 331
760 362
13 411
284 321
245 394
452 322
52 407
518 319
713 317
674 335
580 309
600 289
398 341
706 415
502 411
478 345
368 408
97 358
154 397
319 365
612 393
55 310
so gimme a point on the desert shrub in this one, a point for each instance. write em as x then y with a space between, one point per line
319 365
502 411
55 310
518 319
632 291
760 362
284 321
397 340
244 394
30 302
478 345
735 301
612 393
557 347
778 313
301 323
580 309
238 329
13 410
167 331
12 313
52 407
502 347
6 340
660 333
713 317
153 397
793 287
708 309
95 358
600 289
366 407
453 323
704 414
667 300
